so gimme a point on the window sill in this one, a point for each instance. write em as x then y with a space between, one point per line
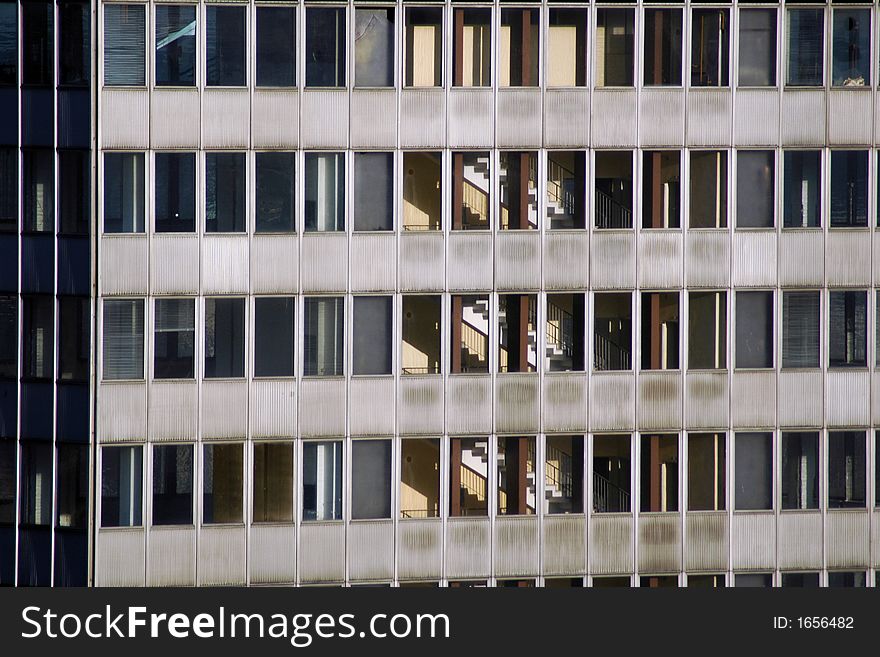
334 89
124 87
223 525
141 234
121 529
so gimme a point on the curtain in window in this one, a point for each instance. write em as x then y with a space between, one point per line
805 27
124 45
123 343
800 329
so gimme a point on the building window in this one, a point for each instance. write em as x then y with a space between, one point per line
420 478
35 484
613 189
225 49
373 206
172 485
122 472
614 47
325 47
175 192
276 46
275 192
38 342
325 192
322 480
661 189
174 339
802 189
224 338
322 349
755 189
800 329
708 189
566 190
468 477
612 467
38 190
8 43
421 334
846 580
8 466
516 476
273 482
37 43
469 334
371 335
567 48
74 54
710 47
877 468
175 46
123 339
518 186
707 330
517 333
423 59
754 329
753 580
612 337
663 47
124 45
847 328
72 487
422 191
8 190
74 338
471 191
123 192
800 580
225 193
847 469
564 474
849 188
374 47
74 191
8 337
370 479
707 472
519 36
659 473
757 47
566 314
273 336
222 488
851 48
805 40
660 329
800 470
472 47
754 471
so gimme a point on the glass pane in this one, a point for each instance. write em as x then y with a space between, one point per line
225 50
370 479
614 189
8 43
757 47
124 193
74 193
468 477
422 191
800 329
224 338
275 196
564 474
323 348
707 472
802 189
72 487
273 336
38 344
373 191
661 189
325 192
37 43
800 470
847 472
371 335
225 193
707 330
471 191
708 189
273 482
612 334
276 46
518 187
38 190
566 190
472 47
74 52
121 486
614 47
322 481
612 468
35 485
9 338
373 47
710 47
516 476
424 47
9 190
805 39
519 48
175 192
420 478
663 47
848 325
123 343
174 339
124 45
172 484
175 45
74 338
325 47
851 64
754 329
754 471
222 486
755 189
849 188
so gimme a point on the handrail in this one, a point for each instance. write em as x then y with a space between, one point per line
611 213
609 355
557 190
560 328
605 492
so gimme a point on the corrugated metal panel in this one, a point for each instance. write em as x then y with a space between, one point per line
846 537
119 557
754 258
800 540
848 396
470 261
371 550
274 124
706 542
469 400
850 114
804 113
661 121
373 118
708 258
800 399
225 264
565 402
324 262
322 552
276 264
372 406
421 404
467 548
660 543
273 408
419 549
173 410
122 412
659 405
124 265
174 118
422 118
222 556
518 260
751 130
518 403
754 399
801 258
611 544
708 117
875 539
660 259
125 121
566 117
876 259
707 400
875 399
227 118
322 404
174 264
849 258
612 401
566 260
373 263
471 118
324 119
272 554
564 545
171 556
224 409
754 541
519 118
615 112
516 546
613 260
422 261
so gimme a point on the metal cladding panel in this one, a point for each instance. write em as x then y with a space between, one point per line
174 410
848 259
125 118
566 260
422 118
801 258
518 260
754 399
419 549
470 261
848 395
875 399
124 265
273 408
272 554
566 118
800 540
422 265
174 264
324 119
518 403
224 409
373 118
372 406
754 258
371 550
611 544
706 541
373 262
119 557
613 260
324 262
174 118
171 556
614 119
274 121
754 541
222 556
565 402
227 118
322 552
707 400
122 412
467 548
804 113
850 115
876 259
275 260
708 258
469 404
612 401
875 538
800 399
322 407
660 543
847 539
661 121
708 117
516 546
471 118
757 117
659 259
564 545
225 264
519 117
659 404
421 404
